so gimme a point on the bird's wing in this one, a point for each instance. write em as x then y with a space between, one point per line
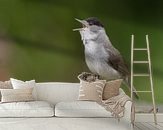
117 61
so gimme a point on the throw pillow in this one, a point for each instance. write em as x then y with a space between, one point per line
16 95
111 88
91 91
5 85
18 84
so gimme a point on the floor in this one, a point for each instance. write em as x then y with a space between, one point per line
148 126
145 122
56 123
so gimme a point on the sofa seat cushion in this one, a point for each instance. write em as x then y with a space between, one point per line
80 109
26 109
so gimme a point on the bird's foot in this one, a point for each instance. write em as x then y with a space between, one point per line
96 76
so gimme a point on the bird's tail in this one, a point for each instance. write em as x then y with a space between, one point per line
128 84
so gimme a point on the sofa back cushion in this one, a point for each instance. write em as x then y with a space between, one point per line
55 92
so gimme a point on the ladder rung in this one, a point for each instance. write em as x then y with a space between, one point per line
143 91
141 62
140 49
141 74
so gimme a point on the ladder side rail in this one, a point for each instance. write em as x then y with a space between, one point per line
132 59
151 79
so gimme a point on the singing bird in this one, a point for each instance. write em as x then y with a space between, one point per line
101 57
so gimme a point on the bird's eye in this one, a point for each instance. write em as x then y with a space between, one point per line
90 23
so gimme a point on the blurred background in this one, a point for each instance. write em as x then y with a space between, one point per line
37 41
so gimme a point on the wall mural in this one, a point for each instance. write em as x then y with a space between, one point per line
37 41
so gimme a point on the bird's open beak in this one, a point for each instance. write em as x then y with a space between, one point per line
83 22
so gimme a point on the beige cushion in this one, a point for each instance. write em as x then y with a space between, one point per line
19 84
16 95
91 91
111 88
5 85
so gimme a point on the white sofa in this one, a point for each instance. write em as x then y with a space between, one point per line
63 98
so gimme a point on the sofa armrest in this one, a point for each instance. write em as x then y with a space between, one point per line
128 112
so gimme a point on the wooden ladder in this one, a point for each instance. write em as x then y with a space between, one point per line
149 74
